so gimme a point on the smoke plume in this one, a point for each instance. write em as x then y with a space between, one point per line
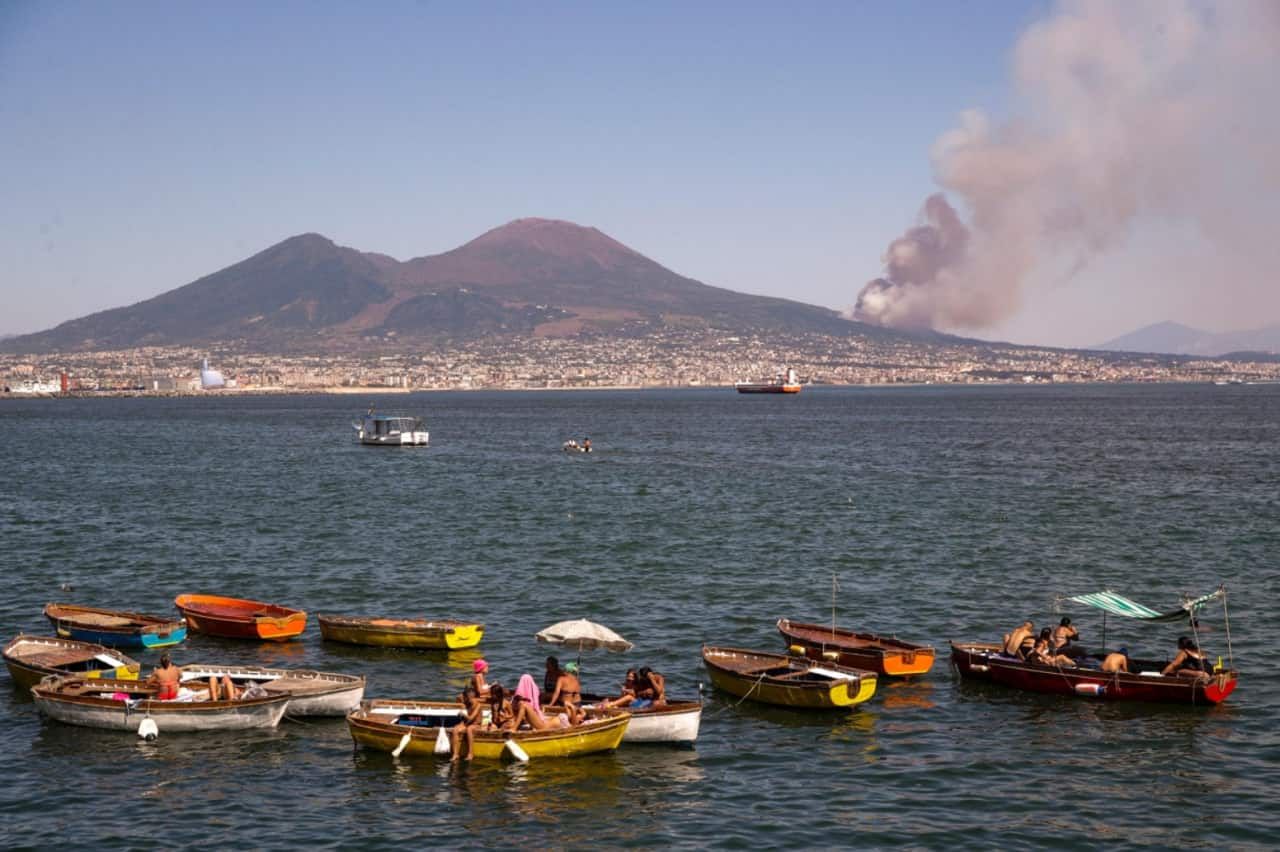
1126 113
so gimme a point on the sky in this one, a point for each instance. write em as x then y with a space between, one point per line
768 148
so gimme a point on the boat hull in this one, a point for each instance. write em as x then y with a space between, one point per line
678 722
374 726
401 633
981 661
235 618
881 654
30 659
767 388
114 628
785 681
310 693
63 701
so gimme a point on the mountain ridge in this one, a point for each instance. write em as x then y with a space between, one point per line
1173 338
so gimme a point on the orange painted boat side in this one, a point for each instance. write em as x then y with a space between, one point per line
883 654
241 619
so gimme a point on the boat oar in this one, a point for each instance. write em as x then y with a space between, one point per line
513 748
404 743
442 741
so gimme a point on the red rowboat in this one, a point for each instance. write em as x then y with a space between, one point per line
240 619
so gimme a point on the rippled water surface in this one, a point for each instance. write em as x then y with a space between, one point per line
703 516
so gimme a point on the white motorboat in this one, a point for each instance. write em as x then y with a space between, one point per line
391 430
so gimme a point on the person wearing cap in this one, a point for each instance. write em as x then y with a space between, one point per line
568 690
477 680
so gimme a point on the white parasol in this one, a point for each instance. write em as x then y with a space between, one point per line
583 635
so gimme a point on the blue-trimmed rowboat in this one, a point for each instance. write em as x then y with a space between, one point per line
115 628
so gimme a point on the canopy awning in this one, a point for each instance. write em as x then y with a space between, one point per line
1111 602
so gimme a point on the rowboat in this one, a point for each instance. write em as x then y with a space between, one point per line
881 654
30 659
240 619
116 628
401 632
384 725
311 693
1144 682
123 705
787 681
674 722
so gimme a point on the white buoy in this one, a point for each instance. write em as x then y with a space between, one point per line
404 743
148 729
442 742
514 749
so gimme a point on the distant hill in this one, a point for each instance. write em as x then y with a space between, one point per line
531 276
1173 338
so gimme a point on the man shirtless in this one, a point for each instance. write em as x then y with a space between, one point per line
651 686
167 677
1013 642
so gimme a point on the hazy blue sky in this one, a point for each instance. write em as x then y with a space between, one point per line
768 148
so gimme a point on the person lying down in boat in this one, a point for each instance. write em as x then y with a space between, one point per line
641 689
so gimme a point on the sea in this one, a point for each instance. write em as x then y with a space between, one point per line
929 513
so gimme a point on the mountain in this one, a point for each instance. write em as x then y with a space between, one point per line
531 276
1176 339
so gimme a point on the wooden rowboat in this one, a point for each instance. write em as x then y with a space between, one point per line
116 628
383 725
880 654
401 632
1143 682
123 705
241 619
311 693
673 722
787 681
31 659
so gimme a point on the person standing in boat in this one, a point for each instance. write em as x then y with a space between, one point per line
586 445
550 678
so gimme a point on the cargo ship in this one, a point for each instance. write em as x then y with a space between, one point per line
790 383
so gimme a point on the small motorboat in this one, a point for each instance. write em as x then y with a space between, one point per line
391 430
31 659
236 618
881 654
416 727
127 705
311 693
787 681
572 446
401 632
116 628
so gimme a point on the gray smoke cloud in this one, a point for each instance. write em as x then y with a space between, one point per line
1146 110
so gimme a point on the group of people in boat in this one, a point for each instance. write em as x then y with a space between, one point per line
1059 646
558 704
572 445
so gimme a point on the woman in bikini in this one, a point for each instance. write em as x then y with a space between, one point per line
167 677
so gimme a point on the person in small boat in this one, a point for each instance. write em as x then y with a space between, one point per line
527 710
549 679
568 689
1190 662
223 689
651 687
1116 661
1021 636
628 692
464 731
586 445
1042 654
1063 635
501 716
478 682
167 677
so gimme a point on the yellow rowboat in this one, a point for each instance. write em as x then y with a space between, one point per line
401 632
787 681
415 728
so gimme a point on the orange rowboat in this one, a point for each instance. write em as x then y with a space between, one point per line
240 619
881 654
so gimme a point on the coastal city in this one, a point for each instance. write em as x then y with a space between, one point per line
663 359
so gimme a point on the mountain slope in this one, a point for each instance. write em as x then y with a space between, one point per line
1176 339
531 276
